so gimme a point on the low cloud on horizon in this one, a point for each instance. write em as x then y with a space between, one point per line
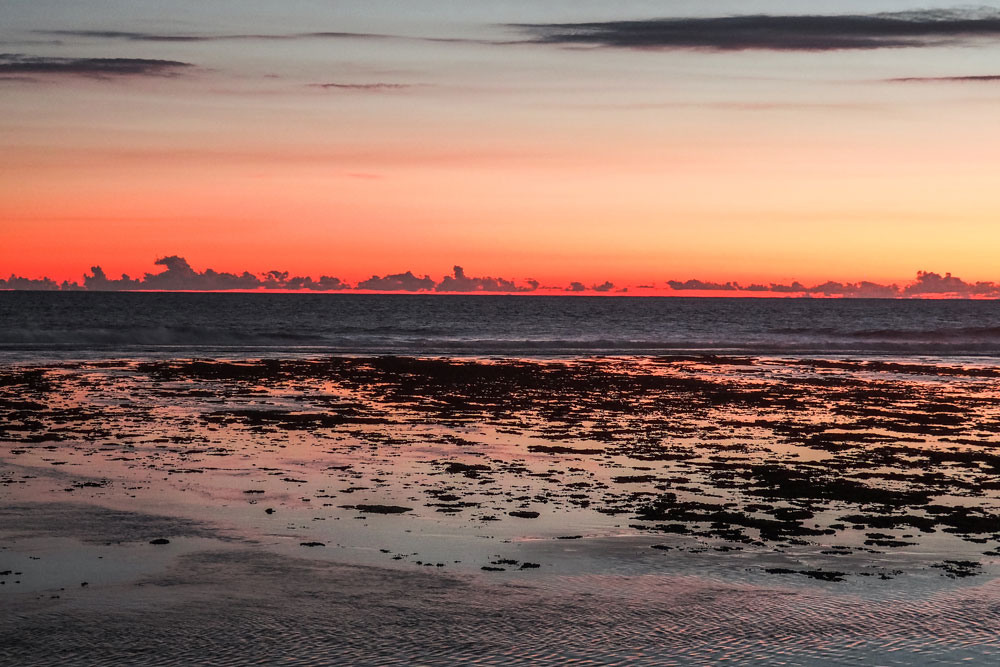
178 275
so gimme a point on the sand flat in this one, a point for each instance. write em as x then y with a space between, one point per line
371 510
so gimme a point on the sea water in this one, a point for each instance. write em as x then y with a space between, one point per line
43 325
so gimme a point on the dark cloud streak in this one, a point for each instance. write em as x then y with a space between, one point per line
778 32
19 64
362 87
181 37
127 36
976 78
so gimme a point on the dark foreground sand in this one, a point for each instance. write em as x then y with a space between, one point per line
394 511
240 603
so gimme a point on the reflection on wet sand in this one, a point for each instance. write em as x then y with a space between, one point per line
843 484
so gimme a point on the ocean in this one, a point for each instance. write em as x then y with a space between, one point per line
68 325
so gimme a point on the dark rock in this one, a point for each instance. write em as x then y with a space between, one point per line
957 569
634 479
822 575
469 470
559 449
378 509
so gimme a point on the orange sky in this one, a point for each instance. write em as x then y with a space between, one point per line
516 160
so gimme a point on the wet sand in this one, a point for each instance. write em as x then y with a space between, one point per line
661 510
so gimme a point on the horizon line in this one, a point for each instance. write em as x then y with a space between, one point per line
178 275
542 293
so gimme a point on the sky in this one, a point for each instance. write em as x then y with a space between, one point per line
541 143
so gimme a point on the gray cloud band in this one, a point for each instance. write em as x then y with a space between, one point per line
21 64
778 32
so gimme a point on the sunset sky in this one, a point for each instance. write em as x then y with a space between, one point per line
806 141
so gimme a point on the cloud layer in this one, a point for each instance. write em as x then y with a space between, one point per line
971 78
926 284
459 282
398 282
362 87
778 32
19 64
178 275
130 36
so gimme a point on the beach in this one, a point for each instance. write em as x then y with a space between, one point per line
662 509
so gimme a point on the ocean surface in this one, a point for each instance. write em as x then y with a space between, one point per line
41 325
